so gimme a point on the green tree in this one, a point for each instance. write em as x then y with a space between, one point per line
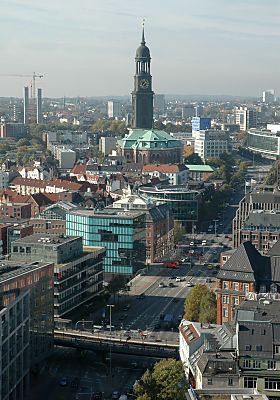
117 284
271 177
200 305
22 142
179 232
165 381
194 159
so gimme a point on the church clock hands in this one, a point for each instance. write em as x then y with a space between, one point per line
144 84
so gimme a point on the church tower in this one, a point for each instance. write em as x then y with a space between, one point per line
142 95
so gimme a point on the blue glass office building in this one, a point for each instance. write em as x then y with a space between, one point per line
122 233
201 124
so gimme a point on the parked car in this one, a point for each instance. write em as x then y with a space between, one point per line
161 285
115 395
63 382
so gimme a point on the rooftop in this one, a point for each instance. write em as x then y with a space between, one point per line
260 311
108 213
52 240
200 168
164 168
167 189
10 269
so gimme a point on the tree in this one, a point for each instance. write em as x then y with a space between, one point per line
200 305
117 284
165 381
22 142
194 159
179 232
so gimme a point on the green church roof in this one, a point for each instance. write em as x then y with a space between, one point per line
199 168
148 139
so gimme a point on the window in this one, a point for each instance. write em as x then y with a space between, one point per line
250 383
259 347
271 364
225 300
247 347
277 349
272 384
230 382
246 363
225 285
225 312
209 381
15 249
246 287
236 301
256 364
236 286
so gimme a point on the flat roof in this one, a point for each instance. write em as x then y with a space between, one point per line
53 240
167 189
108 213
199 168
12 269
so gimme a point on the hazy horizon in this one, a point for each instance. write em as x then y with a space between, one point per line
87 49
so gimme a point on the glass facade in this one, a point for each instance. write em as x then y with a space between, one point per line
122 234
265 142
183 203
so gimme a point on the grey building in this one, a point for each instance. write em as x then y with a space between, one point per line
14 347
258 345
78 271
39 106
25 105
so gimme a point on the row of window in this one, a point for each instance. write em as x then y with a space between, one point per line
269 383
256 364
237 286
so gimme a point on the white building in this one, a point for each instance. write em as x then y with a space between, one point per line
176 173
246 118
65 157
265 142
114 109
37 171
268 96
211 143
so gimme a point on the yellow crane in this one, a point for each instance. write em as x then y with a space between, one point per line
33 76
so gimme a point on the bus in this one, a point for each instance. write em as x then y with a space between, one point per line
168 321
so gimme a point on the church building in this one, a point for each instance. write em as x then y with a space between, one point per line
144 144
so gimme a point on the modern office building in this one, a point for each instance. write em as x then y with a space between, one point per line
268 96
182 201
159 104
246 118
201 124
114 109
265 142
122 233
78 272
159 225
37 278
39 106
188 111
15 346
15 130
107 144
211 143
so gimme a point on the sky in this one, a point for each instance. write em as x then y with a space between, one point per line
87 47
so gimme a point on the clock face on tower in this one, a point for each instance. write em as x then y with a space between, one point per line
144 84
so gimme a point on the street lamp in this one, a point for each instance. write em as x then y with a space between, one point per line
110 322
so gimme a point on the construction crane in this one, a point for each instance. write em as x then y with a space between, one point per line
33 76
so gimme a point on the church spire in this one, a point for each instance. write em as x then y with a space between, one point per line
143 42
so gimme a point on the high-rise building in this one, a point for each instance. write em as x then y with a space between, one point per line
188 111
39 106
211 143
142 95
114 109
246 118
268 96
25 105
159 104
200 124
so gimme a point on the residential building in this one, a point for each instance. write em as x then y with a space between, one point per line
37 278
32 186
201 124
15 346
15 211
262 229
244 273
211 143
258 346
177 174
159 225
66 157
246 118
122 233
78 272
182 201
4 179
37 171
199 172
254 201
264 142
114 109
107 144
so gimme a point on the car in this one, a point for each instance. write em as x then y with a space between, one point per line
161 285
189 284
178 279
214 251
204 242
208 280
180 317
115 395
63 382
97 396
183 260
126 307
171 284
172 277
192 243
161 316
209 266
75 383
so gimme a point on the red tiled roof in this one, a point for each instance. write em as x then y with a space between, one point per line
79 169
164 168
60 183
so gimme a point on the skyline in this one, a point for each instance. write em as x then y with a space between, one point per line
193 50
